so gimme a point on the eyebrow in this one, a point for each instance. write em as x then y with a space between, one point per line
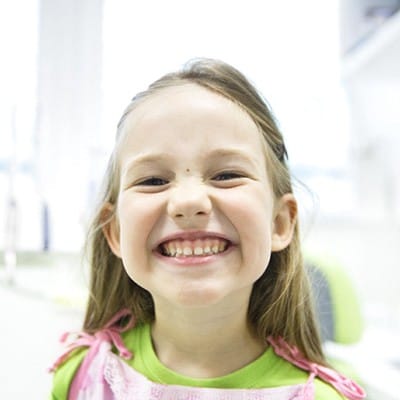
145 159
234 153
165 157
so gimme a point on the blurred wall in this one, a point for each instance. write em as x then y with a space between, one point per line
69 111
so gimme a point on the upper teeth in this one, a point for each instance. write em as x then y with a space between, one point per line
198 247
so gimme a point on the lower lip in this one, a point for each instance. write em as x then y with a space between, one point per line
193 261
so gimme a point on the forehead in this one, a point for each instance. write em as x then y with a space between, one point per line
189 116
182 101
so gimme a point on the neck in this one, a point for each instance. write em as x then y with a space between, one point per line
204 342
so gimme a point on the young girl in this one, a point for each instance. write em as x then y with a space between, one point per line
198 290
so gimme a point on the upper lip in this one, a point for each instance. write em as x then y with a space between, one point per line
192 235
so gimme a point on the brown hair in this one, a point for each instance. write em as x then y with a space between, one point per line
280 303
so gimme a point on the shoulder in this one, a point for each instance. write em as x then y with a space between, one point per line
284 373
134 337
325 391
65 373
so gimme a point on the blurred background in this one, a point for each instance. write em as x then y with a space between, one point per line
331 73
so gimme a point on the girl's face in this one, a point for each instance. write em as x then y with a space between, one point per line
196 219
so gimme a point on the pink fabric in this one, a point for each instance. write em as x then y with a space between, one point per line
110 333
87 378
110 378
103 375
342 384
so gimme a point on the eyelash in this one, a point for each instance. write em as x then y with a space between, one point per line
230 175
153 181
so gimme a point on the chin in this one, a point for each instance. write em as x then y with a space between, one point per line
198 298
206 298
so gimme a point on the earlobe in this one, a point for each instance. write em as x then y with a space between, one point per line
284 222
111 228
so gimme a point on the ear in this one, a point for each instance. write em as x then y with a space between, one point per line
284 222
111 228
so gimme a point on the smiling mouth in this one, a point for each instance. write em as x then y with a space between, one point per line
193 248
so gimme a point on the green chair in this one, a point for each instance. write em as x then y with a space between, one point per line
337 306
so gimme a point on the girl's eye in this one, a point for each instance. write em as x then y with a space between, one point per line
153 181
226 176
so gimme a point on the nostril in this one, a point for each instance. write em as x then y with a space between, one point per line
190 215
188 206
201 213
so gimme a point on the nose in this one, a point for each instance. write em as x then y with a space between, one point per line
189 200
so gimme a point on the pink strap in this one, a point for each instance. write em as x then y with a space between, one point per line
344 385
110 334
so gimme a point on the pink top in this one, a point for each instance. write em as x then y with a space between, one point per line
103 375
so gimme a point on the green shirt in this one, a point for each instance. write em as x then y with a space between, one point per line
267 371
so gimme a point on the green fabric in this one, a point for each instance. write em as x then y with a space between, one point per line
268 370
64 374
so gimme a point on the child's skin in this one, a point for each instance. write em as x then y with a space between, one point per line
193 170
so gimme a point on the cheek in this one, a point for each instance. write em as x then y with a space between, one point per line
135 221
137 216
251 215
